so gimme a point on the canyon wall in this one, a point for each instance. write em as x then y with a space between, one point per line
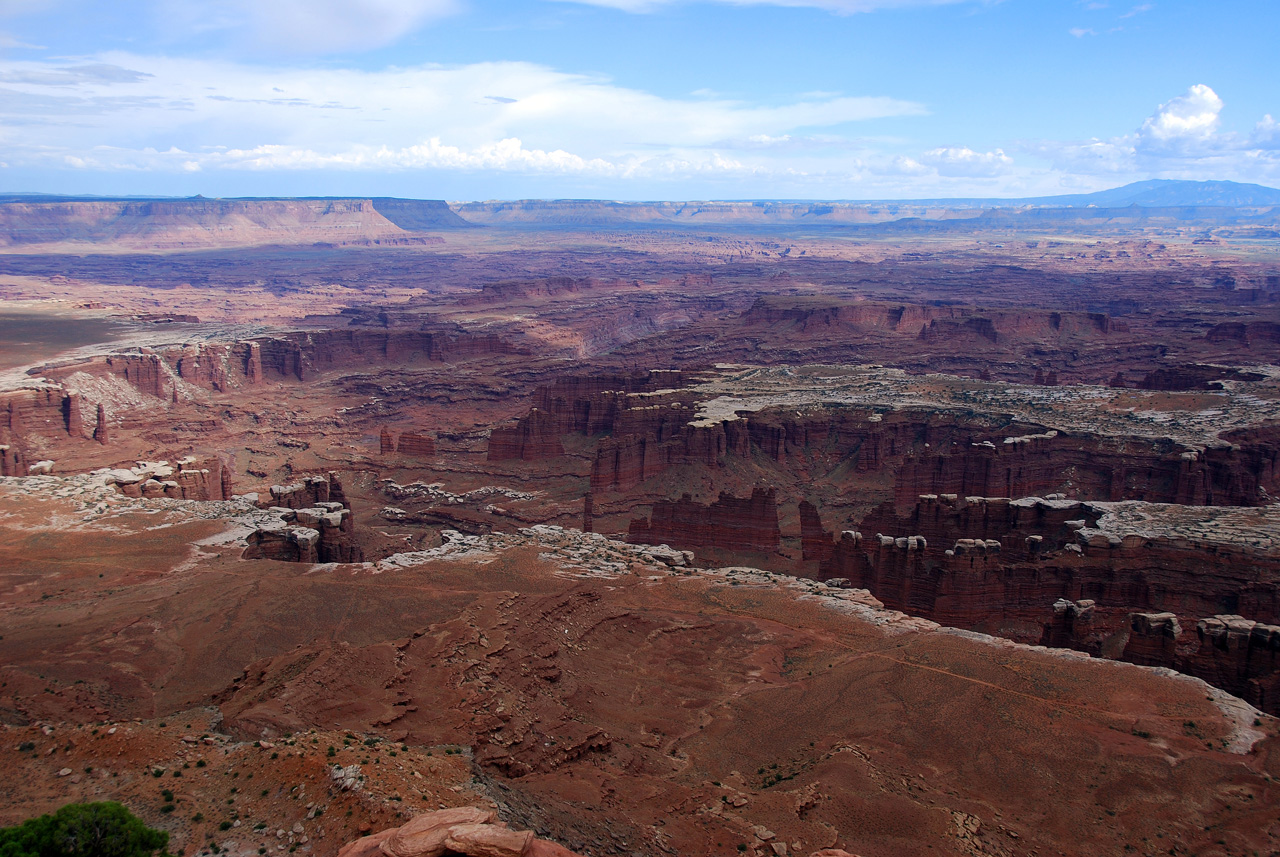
1039 570
727 524
643 433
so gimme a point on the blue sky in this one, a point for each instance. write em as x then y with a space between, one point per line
634 99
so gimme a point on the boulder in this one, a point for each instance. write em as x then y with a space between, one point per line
425 835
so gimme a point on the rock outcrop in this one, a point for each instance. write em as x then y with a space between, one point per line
188 478
728 524
1236 654
313 524
468 831
101 433
411 443
929 452
608 404
75 418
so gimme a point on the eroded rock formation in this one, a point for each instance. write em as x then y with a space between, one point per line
314 524
727 524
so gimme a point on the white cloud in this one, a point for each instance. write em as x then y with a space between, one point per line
1080 32
1266 134
1193 116
73 75
905 166
1181 139
136 112
965 162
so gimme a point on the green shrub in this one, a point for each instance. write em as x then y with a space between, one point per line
83 830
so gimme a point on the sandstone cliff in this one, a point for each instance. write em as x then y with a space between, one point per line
728 524
206 223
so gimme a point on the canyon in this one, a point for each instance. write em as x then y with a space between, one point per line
665 528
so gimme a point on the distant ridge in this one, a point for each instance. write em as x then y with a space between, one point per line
1153 193
29 221
1167 193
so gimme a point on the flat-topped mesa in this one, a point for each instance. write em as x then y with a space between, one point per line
970 340
1192 376
211 223
301 356
655 438
13 458
1239 655
728 524
824 315
1072 626
253 363
573 390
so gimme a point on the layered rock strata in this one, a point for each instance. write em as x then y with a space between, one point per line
1116 579
727 524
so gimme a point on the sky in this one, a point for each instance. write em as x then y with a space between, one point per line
634 99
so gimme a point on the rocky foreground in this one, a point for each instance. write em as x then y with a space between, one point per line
608 697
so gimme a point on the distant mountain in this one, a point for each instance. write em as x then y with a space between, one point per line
1167 193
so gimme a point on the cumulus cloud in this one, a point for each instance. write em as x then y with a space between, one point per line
1193 116
1181 139
965 162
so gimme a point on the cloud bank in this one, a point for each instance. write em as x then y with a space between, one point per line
119 113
